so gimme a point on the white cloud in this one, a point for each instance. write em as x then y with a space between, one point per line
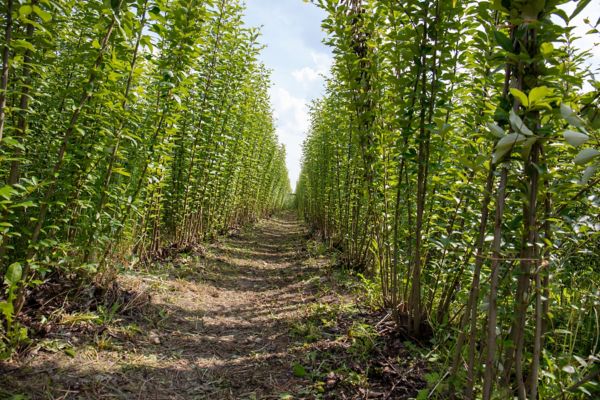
292 119
291 111
306 74
298 59
321 64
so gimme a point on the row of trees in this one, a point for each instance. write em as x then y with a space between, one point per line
126 127
454 157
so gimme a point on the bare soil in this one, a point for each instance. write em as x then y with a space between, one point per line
224 324
215 327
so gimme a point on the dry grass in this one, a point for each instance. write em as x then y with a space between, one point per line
214 326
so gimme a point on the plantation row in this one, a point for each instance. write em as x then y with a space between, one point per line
454 158
127 128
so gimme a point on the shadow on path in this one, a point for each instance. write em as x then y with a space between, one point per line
220 332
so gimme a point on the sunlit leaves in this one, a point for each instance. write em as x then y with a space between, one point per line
131 141
507 100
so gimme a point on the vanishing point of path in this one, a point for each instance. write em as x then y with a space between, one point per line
214 327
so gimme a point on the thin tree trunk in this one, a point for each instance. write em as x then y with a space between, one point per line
86 96
5 65
488 378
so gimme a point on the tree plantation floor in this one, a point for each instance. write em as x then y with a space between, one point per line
251 317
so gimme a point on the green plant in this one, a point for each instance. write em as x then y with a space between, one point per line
128 130
453 159
363 338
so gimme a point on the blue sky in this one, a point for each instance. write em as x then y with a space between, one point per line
291 30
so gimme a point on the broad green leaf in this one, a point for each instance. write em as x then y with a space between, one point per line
581 5
25 10
510 140
13 274
504 41
527 145
520 95
585 156
298 370
568 114
6 191
7 309
24 204
121 171
589 172
499 154
575 138
44 15
496 130
20 43
518 125
538 94
546 49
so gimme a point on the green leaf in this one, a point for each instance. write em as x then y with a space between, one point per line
520 95
496 130
571 117
538 94
575 138
585 156
526 148
546 49
24 204
121 171
509 141
7 309
25 10
23 44
44 15
70 352
499 154
588 174
13 274
504 41
298 370
580 6
518 125
6 191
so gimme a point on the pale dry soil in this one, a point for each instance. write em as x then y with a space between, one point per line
215 326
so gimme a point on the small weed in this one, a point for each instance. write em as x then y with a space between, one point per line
129 331
357 379
370 292
364 338
309 331
106 315
79 318
299 370
103 342
56 346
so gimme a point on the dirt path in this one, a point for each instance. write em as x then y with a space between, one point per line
213 327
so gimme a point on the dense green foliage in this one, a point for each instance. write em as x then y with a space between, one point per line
127 127
454 158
